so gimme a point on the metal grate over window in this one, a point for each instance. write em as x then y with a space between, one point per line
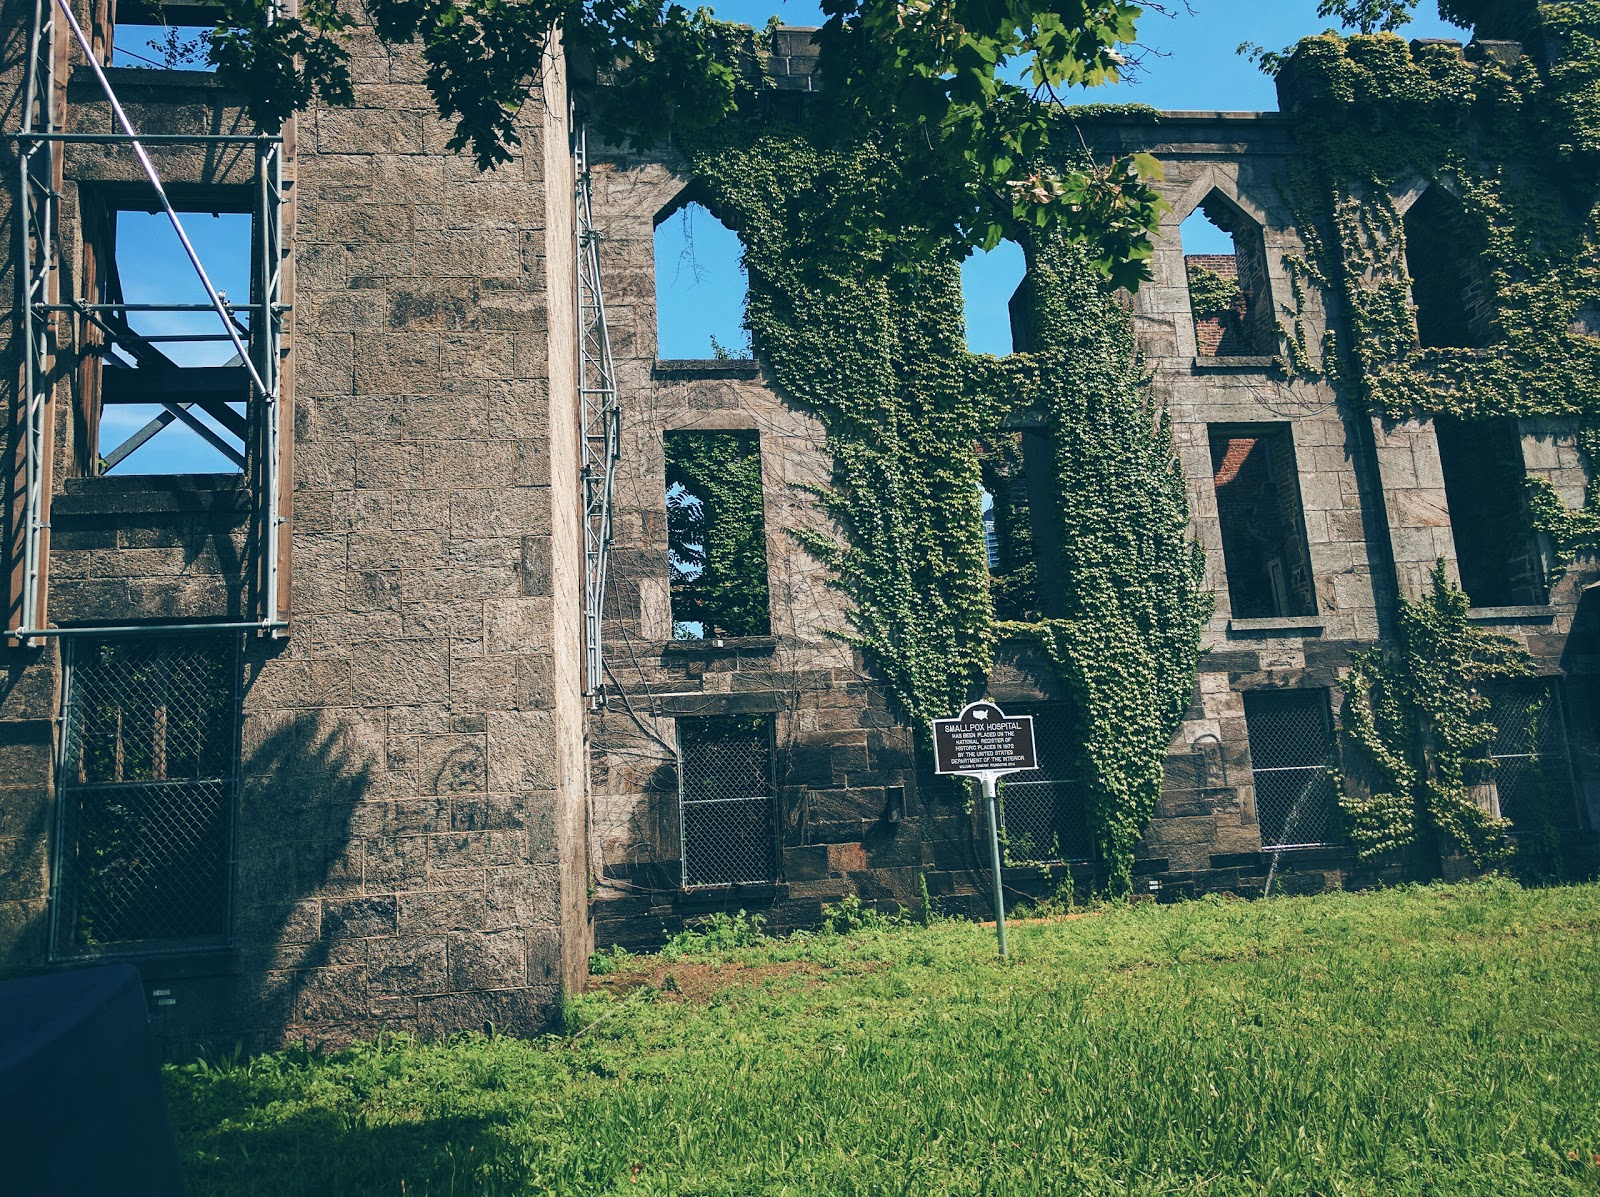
1043 811
1533 769
149 782
727 819
1292 759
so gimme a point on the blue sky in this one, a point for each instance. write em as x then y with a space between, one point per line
154 269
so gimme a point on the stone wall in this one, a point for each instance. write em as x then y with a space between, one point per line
411 818
859 811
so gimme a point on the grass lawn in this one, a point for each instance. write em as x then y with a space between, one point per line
1441 1040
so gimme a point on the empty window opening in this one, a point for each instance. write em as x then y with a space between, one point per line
700 288
991 541
1292 764
149 781
716 535
1532 772
1449 289
1263 529
991 286
1022 523
1226 262
1044 812
155 35
167 392
727 815
1497 551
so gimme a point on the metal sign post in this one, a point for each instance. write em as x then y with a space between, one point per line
986 743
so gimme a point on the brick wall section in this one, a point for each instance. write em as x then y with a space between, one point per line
1217 335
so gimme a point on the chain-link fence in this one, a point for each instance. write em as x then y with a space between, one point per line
1292 761
149 778
1044 812
1533 769
726 816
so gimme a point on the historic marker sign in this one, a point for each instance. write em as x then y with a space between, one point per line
984 739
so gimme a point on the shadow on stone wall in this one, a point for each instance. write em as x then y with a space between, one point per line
301 925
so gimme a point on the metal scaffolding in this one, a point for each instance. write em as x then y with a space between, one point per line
255 331
601 417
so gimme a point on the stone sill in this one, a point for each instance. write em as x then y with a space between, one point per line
1232 116
1226 365
712 897
153 494
1301 625
735 367
170 964
719 647
1530 613
122 78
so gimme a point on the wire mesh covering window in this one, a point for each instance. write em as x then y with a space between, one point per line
149 779
1043 812
726 817
1292 760
1533 771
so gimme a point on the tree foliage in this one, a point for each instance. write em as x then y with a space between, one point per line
1369 16
932 78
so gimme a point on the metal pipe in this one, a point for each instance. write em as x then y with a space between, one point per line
161 194
145 307
994 861
148 138
156 629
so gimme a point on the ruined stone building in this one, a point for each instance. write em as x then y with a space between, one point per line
313 737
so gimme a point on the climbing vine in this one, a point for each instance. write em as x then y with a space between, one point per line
1210 294
716 538
1515 141
1417 711
1512 134
870 339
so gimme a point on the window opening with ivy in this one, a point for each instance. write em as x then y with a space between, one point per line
1226 263
1497 551
1264 545
716 535
1022 523
993 301
1533 767
701 286
1044 812
727 814
1449 290
149 783
1292 763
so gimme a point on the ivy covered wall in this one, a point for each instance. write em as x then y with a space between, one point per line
870 340
1511 137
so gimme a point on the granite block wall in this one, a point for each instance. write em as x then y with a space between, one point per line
411 832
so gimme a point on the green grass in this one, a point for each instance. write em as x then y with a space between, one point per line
1443 1040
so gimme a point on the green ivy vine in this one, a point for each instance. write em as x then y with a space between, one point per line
1417 711
1516 141
871 341
1514 137
1210 294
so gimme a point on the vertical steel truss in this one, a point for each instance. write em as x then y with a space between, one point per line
38 141
601 417
36 197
